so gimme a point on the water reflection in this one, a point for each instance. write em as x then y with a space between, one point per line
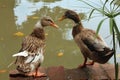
66 34
25 8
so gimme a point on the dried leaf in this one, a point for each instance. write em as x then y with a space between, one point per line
60 54
35 17
3 71
46 34
19 34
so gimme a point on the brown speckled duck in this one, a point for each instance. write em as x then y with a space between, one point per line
91 46
31 55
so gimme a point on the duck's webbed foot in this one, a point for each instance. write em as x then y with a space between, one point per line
39 74
36 74
85 63
90 63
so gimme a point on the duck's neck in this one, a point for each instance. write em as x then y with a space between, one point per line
77 28
38 31
38 24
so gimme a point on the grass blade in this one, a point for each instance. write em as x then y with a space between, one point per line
99 10
99 26
118 7
104 4
116 14
91 14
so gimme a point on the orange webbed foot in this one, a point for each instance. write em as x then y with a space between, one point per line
84 65
37 74
90 63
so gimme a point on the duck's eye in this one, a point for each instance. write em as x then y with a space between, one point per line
49 20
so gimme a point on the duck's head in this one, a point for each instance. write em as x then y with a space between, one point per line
46 21
71 15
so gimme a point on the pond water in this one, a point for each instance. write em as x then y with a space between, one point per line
21 16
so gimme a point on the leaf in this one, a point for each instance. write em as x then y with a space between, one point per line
19 34
99 26
117 8
3 71
60 54
104 4
35 17
46 34
111 2
116 14
91 13
97 9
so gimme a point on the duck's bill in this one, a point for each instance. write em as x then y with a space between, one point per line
62 18
54 25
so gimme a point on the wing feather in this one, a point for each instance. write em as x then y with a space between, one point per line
32 44
93 42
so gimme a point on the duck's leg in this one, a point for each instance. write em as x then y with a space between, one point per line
90 63
84 64
38 73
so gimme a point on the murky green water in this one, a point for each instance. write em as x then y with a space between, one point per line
21 15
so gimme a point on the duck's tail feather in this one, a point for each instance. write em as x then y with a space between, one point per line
109 54
24 53
103 58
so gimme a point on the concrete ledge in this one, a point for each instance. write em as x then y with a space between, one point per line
97 71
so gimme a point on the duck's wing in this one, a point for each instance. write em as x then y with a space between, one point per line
32 44
93 42
30 62
100 52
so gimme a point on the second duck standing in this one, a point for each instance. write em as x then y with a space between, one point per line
91 46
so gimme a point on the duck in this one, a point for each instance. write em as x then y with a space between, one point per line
92 46
31 55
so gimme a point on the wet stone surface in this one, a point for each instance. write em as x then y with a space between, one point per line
97 71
